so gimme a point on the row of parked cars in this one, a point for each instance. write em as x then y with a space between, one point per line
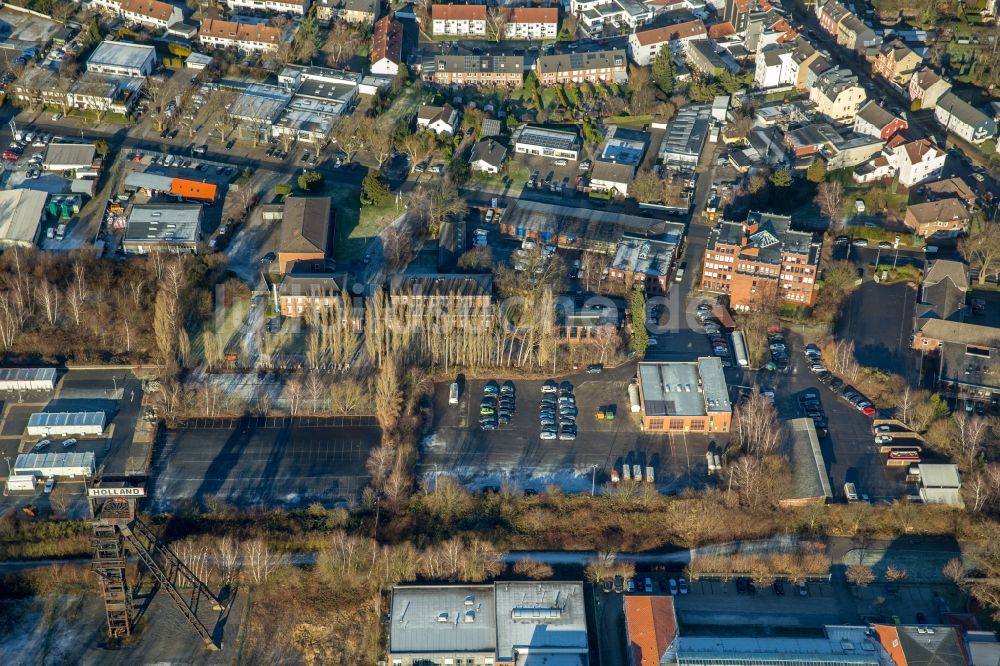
498 405
557 412
811 404
847 392
713 329
46 443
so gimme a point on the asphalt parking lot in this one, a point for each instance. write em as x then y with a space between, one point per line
878 319
515 453
263 461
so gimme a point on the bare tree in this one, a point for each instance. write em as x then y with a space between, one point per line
969 435
48 297
981 248
755 425
895 574
860 575
497 18
260 561
830 199
388 396
955 570
226 553
982 488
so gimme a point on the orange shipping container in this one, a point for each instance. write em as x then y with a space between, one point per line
193 189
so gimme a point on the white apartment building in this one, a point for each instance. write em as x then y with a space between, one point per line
532 23
294 7
645 45
152 13
458 20
918 162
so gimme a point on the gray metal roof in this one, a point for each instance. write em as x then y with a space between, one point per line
120 54
671 389
55 419
809 474
31 461
148 181
589 223
644 255
69 153
20 214
27 374
939 475
687 133
734 650
713 383
546 137
540 616
164 223
445 618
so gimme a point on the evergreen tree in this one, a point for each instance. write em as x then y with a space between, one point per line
663 71
816 172
781 178
640 336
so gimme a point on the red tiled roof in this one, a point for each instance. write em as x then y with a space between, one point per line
458 12
534 15
667 33
719 30
240 32
387 40
154 9
651 625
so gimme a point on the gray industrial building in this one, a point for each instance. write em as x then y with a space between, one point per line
122 59
27 379
516 623
810 480
56 464
163 228
45 424
686 136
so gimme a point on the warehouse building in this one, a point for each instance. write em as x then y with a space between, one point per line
810 480
163 228
27 379
63 424
686 136
503 623
122 59
58 464
20 217
69 156
687 396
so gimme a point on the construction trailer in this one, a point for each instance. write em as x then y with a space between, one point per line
63 424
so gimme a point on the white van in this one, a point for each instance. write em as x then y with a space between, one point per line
453 394
930 249
50 483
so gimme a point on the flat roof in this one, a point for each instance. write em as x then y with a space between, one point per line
324 90
121 54
546 137
27 374
935 475
687 133
713 381
644 255
164 223
260 102
589 223
53 419
148 181
809 474
442 618
684 388
698 649
540 616
30 461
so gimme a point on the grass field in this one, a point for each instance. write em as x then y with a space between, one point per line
356 224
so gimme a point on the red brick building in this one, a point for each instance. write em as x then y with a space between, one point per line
760 258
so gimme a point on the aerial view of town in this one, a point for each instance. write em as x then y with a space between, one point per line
500 332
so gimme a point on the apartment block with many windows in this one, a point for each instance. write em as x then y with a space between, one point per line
759 259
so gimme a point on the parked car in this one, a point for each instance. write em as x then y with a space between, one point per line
42 445
673 586
69 442
50 483
682 585
595 369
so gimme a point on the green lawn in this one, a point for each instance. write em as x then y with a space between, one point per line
356 224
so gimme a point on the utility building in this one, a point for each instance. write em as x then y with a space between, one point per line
45 424
55 464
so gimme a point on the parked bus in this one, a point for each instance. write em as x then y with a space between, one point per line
740 349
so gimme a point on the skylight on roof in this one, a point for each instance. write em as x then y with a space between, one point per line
764 239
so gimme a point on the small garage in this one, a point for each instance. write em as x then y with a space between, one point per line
57 464
64 424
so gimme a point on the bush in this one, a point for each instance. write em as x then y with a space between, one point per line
308 179
282 190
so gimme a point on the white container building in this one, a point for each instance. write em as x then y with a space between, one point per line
27 379
56 424
56 464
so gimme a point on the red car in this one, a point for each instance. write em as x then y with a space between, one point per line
11 156
868 411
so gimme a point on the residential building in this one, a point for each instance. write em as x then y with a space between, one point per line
926 88
307 294
838 95
830 14
547 142
703 56
306 235
816 69
759 259
686 136
173 228
589 66
496 623
851 150
684 396
501 71
955 188
458 20
21 213
650 627
645 45
967 356
122 59
645 262
773 66
466 297
387 46
357 12
247 38
920 644
945 218
532 23
854 35
292 7
437 119
151 13
92 92
738 12
942 292
874 120
596 14
488 156
918 161
958 116
611 177
896 62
